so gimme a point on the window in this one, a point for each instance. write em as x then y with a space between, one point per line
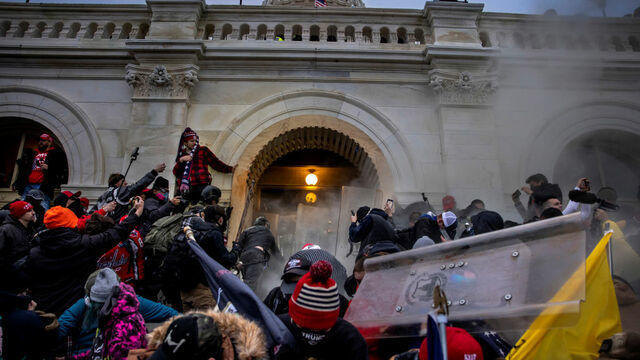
91 31
296 33
73 31
349 34
226 31
55 31
143 29
107 32
384 35
367 34
484 39
402 35
209 29
244 32
314 33
262 32
125 33
279 33
419 35
332 33
37 33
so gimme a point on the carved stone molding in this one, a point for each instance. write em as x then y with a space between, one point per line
161 83
463 88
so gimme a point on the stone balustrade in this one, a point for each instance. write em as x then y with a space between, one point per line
400 29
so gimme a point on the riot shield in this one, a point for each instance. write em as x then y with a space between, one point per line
500 280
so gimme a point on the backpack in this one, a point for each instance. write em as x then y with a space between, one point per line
180 264
163 231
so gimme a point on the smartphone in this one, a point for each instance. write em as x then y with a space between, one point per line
353 213
390 203
516 193
587 184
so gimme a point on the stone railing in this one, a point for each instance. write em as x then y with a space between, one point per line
539 32
48 29
73 21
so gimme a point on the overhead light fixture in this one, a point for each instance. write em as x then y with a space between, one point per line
311 178
311 198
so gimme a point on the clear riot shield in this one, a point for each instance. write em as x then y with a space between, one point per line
498 281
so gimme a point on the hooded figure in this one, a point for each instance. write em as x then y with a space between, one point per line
237 337
487 221
192 166
374 228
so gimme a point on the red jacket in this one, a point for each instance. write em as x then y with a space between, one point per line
199 174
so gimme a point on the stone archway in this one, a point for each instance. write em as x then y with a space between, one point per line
571 124
67 121
249 132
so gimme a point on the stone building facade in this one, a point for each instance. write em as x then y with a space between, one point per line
442 100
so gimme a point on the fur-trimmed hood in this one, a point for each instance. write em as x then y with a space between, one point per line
247 337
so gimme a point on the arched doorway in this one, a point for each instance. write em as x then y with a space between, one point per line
302 211
609 158
18 135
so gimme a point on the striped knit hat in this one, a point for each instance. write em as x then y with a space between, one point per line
315 304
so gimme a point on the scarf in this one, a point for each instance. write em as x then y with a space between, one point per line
187 166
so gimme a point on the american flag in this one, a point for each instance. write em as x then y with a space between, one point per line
321 3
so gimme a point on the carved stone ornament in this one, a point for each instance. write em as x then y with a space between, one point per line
160 82
462 90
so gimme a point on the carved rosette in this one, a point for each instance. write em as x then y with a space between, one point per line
463 88
159 82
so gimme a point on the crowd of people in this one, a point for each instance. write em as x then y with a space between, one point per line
119 280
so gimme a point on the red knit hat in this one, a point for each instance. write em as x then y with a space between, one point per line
19 208
460 346
85 202
315 304
448 203
46 137
59 216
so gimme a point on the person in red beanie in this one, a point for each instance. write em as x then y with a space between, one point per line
313 320
192 166
62 258
15 233
43 169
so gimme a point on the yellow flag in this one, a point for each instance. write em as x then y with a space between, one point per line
599 317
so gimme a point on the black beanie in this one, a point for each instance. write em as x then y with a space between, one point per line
160 183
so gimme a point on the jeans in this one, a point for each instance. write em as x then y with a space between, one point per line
44 203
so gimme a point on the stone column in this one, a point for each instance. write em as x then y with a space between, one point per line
464 81
162 80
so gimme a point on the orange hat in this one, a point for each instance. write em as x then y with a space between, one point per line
59 216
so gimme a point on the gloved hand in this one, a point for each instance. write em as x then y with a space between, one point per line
184 187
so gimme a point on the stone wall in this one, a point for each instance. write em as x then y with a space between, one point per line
453 101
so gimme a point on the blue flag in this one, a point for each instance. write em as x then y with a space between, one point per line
233 295
434 343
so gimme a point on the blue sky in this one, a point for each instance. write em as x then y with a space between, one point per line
564 7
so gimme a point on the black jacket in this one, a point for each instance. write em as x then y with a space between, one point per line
59 265
55 175
182 265
152 203
342 342
15 241
124 194
258 236
373 228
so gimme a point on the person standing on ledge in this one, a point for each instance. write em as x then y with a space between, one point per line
192 166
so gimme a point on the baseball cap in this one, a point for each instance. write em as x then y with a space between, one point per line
45 137
295 266
460 346
35 194
19 208
70 194
193 336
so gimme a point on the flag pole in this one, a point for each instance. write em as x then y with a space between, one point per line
442 310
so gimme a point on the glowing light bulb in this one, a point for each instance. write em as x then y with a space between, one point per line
311 179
